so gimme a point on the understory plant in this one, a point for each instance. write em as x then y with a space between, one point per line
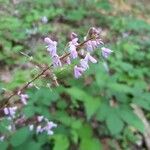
78 56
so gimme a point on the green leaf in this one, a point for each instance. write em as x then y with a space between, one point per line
77 93
103 111
91 107
33 146
141 102
3 145
29 111
114 123
44 96
91 104
118 87
129 117
19 137
76 15
61 142
90 144
85 131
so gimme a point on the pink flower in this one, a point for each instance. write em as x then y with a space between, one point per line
106 52
6 111
49 126
88 57
24 98
51 46
93 44
89 46
72 48
78 71
84 64
56 61
11 111
73 52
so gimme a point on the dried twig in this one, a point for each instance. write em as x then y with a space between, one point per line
141 115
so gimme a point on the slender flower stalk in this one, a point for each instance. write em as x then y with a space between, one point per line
83 52
91 42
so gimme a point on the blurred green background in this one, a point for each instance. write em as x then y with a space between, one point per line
98 111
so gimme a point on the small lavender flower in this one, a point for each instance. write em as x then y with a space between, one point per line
49 126
10 111
84 64
106 52
73 52
6 111
78 71
24 98
72 48
92 44
89 46
56 61
51 46
88 57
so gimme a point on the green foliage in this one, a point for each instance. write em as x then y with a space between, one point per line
114 123
91 104
87 110
61 142
20 137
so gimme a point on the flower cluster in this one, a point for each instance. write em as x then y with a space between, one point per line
43 125
52 49
16 120
10 111
91 42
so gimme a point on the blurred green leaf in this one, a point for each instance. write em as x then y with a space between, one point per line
114 123
90 144
19 137
61 142
3 145
129 117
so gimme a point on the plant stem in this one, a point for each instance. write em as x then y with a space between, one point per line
40 74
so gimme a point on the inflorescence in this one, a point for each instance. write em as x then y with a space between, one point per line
82 51
91 42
